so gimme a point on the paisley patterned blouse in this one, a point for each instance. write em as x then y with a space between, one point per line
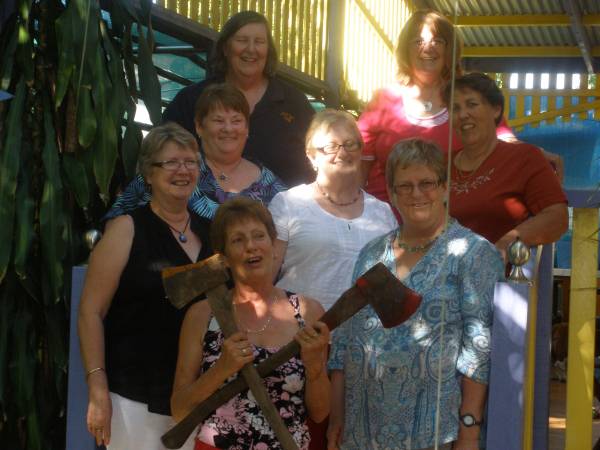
391 375
207 196
239 424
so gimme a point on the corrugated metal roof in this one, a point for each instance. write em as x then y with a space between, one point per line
561 37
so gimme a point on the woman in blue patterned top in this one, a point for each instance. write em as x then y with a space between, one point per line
385 388
221 116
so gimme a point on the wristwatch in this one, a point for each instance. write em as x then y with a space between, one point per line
468 420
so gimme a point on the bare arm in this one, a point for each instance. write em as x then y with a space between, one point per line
188 388
314 342
473 402
335 430
279 255
545 227
365 168
107 262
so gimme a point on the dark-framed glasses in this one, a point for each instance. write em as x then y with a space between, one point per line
334 147
435 42
175 164
424 186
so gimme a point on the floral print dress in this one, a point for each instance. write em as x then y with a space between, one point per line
239 424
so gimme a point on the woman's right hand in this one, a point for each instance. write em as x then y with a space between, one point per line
236 352
99 411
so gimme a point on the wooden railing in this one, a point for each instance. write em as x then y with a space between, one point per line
536 99
299 27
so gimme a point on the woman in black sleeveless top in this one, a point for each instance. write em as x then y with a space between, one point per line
128 330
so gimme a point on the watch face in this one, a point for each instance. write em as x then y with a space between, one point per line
468 420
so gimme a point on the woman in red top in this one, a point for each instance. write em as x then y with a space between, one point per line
413 106
500 190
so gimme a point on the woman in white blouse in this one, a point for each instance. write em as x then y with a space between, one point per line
322 226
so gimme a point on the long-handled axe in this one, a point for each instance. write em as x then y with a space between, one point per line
393 302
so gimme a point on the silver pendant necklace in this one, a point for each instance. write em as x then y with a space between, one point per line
427 105
267 321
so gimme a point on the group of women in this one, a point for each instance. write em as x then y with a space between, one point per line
412 386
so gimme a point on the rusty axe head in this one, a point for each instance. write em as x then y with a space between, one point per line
184 283
393 302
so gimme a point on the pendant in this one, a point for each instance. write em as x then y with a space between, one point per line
223 177
182 238
427 105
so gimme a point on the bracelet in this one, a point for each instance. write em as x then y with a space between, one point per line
96 369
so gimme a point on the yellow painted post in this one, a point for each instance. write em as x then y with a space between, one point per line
583 86
535 96
582 324
529 383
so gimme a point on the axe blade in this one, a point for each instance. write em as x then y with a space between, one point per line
393 302
184 283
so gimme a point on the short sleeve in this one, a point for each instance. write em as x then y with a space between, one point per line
480 269
542 187
280 212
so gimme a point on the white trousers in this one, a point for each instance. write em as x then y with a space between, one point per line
133 427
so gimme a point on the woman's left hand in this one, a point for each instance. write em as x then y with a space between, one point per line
313 342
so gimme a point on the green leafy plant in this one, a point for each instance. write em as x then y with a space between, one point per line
67 140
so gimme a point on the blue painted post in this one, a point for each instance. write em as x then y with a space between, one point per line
78 437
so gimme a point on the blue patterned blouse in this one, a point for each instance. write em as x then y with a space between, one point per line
207 196
391 374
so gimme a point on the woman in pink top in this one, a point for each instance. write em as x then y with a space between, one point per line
413 106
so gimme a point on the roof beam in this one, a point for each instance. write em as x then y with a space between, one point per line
572 8
524 20
527 51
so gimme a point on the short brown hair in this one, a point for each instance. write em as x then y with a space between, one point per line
156 139
441 27
218 62
325 120
412 152
236 210
220 95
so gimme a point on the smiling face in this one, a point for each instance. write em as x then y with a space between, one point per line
246 52
427 56
418 208
177 184
474 118
223 133
249 250
342 162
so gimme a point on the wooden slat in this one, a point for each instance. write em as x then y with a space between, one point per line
183 8
204 12
583 86
285 12
194 9
535 99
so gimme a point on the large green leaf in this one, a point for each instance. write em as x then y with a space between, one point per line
23 338
105 149
115 71
8 58
131 144
127 50
9 168
86 118
66 52
7 302
24 230
24 53
149 84
51 212
76 179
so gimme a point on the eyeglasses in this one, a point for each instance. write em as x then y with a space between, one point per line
333 147
424 186
175 164
435 42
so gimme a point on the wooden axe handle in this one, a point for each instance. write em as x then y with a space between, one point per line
177 435
220 304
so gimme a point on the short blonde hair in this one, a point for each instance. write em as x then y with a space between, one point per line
325 120
156 139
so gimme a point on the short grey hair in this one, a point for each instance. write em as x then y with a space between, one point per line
156 139
412 152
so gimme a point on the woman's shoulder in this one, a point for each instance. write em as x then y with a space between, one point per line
465 242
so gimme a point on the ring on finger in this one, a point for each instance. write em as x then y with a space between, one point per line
244 351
